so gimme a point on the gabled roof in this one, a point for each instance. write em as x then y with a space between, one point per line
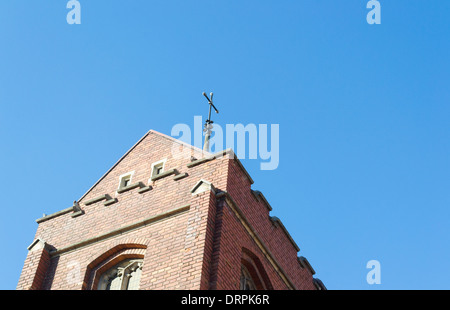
206 156
151 131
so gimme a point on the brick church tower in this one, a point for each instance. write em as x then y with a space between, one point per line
156 221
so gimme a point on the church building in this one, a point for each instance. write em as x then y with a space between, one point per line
158 221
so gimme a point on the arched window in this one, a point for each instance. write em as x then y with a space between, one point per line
123 276
253 275
247 283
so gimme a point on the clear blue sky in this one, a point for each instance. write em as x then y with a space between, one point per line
363 111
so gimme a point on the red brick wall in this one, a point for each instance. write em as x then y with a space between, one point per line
198 248
34 270
234 238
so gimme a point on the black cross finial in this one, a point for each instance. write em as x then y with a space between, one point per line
210 101
208 122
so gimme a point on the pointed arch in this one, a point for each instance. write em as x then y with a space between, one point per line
253 272
110 258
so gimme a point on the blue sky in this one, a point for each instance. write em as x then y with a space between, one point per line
363 111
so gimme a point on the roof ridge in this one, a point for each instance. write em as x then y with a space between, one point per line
113 166
179 141
151 131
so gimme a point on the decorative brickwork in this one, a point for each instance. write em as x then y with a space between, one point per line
193 230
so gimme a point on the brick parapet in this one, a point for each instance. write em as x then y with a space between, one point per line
187 239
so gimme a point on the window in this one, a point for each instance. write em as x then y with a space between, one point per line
253 275
157 168
124 276
247 283
125 179
116 268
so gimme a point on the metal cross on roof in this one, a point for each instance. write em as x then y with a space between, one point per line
208 123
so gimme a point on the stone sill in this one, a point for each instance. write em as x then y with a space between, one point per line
164 174
130 187
180 176
97 199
